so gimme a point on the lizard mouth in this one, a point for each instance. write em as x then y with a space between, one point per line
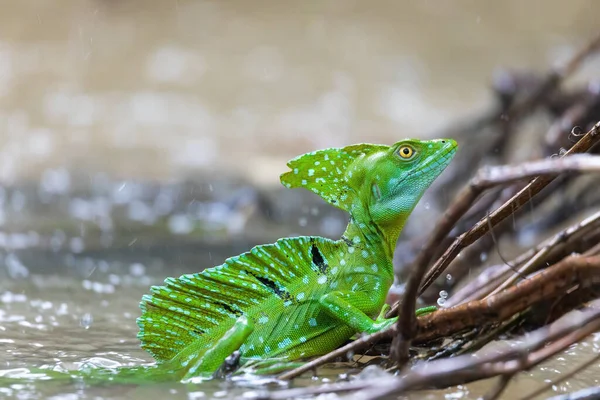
437 161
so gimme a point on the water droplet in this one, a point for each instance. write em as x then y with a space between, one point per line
449 278
180 224
15 267
302 221
427 205
443 294
86 320
76 244
441 301
483 256
196 395
137 269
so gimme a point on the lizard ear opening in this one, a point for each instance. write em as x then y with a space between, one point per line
326 173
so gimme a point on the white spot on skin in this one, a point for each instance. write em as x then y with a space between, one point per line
302 339
322 279
374 267
356 239
342 262
300 296
350 250
365 254
304 182
312 322
311 172
285 342
296 171
263 320
305 280
335 270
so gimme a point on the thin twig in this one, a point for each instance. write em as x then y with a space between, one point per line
526 268
483 284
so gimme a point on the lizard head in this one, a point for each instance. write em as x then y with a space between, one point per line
375 183
397 178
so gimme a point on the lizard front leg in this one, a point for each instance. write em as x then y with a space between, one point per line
346 307
342 306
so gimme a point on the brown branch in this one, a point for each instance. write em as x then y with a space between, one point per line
485 281
542 253
399 351
552 282
535 348
487 178
498 389
508 208
552 80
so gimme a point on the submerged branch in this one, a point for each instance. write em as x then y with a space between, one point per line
553 282
535 348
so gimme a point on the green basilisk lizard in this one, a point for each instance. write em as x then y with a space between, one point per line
300 296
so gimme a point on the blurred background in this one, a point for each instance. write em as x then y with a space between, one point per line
143 139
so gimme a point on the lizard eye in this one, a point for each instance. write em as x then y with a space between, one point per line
406 152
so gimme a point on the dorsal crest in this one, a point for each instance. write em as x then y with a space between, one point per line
327 172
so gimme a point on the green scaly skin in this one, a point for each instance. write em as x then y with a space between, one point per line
299 297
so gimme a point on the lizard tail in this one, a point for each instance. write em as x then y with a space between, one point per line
186 308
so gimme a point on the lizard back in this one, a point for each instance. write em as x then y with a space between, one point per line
186 308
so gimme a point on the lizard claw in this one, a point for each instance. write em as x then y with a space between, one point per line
384 310
381 324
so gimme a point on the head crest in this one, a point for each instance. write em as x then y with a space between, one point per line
326 172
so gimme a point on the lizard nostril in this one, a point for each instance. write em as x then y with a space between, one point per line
443 141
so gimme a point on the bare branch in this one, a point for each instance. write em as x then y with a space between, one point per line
559 278
535 348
